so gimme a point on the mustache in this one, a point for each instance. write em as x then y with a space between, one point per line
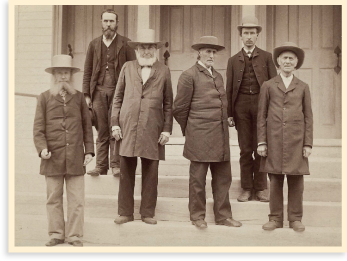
56 87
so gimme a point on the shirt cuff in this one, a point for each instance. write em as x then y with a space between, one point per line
115 128
262 143
167 134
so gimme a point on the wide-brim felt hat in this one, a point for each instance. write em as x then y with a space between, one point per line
249 22
290 47
145 36
208 42
62 61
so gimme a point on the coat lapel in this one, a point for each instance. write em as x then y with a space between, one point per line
120 43
68 97
280 83
293 84
98 49
255 52
58 98
204 70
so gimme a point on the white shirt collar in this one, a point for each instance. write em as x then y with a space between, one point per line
108 42
249 50
203 65
287 80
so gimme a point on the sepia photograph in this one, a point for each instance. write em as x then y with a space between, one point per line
178 126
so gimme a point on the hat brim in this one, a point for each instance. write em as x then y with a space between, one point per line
134 44
300 54
73 69
198 46
239 27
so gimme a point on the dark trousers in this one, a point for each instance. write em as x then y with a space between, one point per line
295 197
245 117
221 181
149 189
102 104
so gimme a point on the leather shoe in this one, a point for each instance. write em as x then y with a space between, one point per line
76 243
97 172
116 171
272 225
229 222
245 196
149 220
200 223
123 219
262 196
297 226
54 242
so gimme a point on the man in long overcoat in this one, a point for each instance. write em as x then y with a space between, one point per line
104 60
285 136
64 140
142 120
200 108
246 72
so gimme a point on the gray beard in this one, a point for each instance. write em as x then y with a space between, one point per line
146 61
56 87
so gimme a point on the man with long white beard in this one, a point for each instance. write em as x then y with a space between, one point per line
142 120
63 138
104 60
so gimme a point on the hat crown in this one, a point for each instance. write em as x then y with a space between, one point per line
289 44
250 20
146 36
62 60
208 40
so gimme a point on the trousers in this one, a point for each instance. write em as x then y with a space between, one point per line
149 191
75 207
221 181
246 110
295 197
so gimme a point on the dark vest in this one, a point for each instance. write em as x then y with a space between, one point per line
249 84
108 56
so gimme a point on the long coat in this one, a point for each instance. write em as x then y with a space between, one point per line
285 123
264 69
143 111
123 54
200 108
65 129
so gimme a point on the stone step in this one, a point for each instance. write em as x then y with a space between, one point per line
31 230
324 190
316 214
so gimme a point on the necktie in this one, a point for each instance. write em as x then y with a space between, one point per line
249 53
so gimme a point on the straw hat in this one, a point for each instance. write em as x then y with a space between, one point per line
249 22
145 36
62 61
208 42
291 47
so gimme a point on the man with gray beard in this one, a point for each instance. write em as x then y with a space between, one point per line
104 60
142 120
63 138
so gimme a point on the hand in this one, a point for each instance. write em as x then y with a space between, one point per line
231 122
88 101
163 139
306 151
45 154
117 134
87 158
262 150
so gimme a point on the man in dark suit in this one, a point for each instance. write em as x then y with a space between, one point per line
246 72
105 58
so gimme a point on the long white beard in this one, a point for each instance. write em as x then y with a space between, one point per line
56 87
146 61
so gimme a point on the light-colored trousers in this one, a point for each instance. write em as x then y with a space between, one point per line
75 207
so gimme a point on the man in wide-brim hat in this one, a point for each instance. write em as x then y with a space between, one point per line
200 108
142 120
63 138
285 135
246 72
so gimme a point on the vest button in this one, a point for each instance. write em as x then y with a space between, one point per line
142 97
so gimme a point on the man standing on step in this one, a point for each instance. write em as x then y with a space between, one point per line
63 137
200 108
142 121
104 60
285 136
246 72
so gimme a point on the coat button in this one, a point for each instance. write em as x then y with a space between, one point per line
66 131
142 97
239 80
284 109
284 124
67 144
64 105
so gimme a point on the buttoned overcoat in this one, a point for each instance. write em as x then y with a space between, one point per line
200 108
285 123
65 129
264 69
143 110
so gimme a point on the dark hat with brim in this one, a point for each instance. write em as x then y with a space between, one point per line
62 61
208 42
249 22
145 36
289 47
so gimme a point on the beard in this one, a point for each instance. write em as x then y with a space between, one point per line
56 87
146 61
109 33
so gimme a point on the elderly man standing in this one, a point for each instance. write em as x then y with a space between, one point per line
142 120
285 136
104 60
246 72
64 140
200 108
